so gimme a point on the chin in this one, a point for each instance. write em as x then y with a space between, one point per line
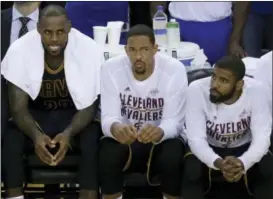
55 53
214 99
140 71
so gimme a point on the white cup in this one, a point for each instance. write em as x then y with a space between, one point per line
100 34
114 36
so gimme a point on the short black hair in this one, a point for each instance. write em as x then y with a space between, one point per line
142 30
52 10
234 64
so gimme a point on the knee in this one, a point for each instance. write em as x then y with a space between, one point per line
171 155
111 155
13 140
266 166
13 145
89 138
192 168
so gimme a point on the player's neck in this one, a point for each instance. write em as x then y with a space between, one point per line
27 8
54 61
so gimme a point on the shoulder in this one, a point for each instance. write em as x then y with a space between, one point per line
84 42
23 45
200 84
85 46
115 64
169 65
252 86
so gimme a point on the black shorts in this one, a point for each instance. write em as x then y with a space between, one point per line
211 177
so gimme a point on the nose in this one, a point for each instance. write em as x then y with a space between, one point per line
214 84
54 37
138 56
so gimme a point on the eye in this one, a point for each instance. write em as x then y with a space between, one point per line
47 32
223 80
60 32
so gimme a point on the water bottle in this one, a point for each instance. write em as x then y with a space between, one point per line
173 34
160 27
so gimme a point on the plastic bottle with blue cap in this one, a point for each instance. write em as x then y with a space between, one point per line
160 21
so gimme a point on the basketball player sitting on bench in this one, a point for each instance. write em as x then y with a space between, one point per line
53 74
228 125
143 109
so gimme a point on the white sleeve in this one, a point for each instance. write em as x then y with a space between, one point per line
173 116
263 73
196 127
110 102
260 126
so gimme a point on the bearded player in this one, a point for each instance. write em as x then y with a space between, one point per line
228 122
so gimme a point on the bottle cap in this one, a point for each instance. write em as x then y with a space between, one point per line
159 8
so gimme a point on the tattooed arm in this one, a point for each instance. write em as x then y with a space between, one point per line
18 101
82 118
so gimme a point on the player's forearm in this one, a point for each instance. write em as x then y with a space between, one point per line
240 14
203 152
18 103
25 122
170 129
258 148
82 119
108 124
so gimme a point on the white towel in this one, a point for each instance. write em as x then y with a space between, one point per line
23 66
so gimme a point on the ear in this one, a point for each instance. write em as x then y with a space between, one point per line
240 85
155 49
39 28
69 25
126 50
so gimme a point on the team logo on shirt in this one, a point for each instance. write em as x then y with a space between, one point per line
227 133
141 109
154 92
127 89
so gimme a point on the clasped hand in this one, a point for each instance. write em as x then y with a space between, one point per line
232 168
42 141
127 134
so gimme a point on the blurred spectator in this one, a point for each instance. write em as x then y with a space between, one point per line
8 4
85 15
259 28
16 21
209 24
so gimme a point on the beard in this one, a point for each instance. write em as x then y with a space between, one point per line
221 98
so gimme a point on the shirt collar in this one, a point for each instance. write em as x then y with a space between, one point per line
16 14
